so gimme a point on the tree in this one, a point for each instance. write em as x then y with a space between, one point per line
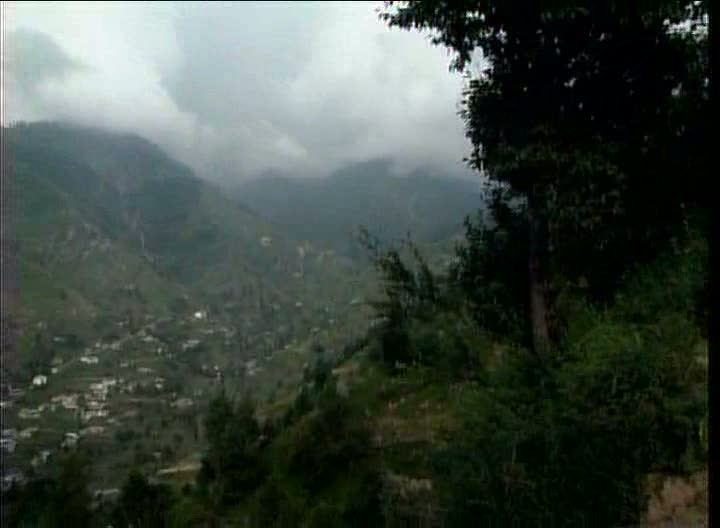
232 466
410 291
70 503
575 115
40 354
331 442
27 505
143 504
490 272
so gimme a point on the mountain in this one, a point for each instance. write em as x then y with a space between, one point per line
111 229
141 290
427 205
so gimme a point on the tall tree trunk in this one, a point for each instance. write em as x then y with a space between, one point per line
537 225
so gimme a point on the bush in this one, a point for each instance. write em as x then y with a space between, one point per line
272 506
327 444
143 504
232 467
124 436
571 446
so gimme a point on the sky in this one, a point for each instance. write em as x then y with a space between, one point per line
238 89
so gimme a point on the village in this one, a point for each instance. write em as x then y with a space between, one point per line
143 392
92 397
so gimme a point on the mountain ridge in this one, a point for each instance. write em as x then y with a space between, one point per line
425 205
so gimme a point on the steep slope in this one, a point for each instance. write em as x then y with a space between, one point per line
110 227
136 276
142 289
74 242
428 206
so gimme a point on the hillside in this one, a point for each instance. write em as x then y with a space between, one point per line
427 205
98 211
136 276
365 441
132 269
296 332
151 306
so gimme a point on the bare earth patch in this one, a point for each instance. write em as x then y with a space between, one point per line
676 501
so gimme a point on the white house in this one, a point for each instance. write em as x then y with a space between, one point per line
105 493
190 344
89 360
71 440
93 430
27 433
8 444
41 458
68 401
183 403
29 414
94 413
40 380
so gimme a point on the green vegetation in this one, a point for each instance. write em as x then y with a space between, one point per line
61 500
328 211
547 375
367 442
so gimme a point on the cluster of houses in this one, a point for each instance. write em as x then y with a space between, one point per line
88 406
92 406
8 440
66 401
96 399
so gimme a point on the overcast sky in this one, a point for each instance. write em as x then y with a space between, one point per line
236 89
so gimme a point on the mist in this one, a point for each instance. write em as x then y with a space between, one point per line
237 90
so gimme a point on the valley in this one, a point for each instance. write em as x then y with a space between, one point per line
396 264
143 291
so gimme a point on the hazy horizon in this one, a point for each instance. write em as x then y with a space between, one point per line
238 90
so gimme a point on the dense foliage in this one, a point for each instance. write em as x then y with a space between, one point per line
587 112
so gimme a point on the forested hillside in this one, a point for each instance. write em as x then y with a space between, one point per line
551 371
427 205
141 287
110 227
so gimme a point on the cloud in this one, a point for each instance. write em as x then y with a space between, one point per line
237 89
34 62
37 58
